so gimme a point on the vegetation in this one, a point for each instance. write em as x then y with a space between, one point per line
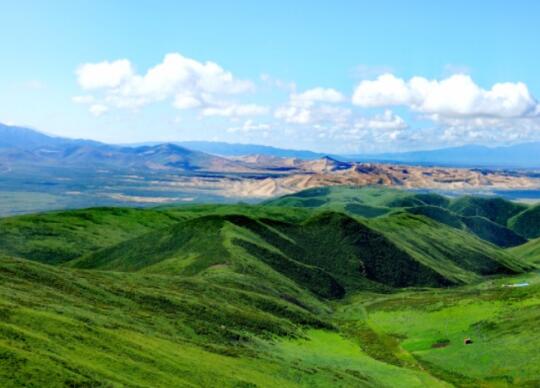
527 223
495 209
529 252
426 330
286 293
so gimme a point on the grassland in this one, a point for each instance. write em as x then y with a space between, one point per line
426 330
280 294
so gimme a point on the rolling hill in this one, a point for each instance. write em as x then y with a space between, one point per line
485 217
527 223
298 291
529 252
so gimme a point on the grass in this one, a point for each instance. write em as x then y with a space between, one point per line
67 327
322 350
527 223
529 252
430 327
328 253
456 254
495 209
272 295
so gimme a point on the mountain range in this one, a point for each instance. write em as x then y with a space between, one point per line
513 156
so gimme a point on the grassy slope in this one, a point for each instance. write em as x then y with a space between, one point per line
495 209
366 202
231 295
527 223
62 327
329 253
473 214
455 254
426 330
58 237
529 252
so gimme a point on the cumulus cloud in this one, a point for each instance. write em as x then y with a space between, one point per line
313 106
456 96
386 120
318 95
187 83
104 74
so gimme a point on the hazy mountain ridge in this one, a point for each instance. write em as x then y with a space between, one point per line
523 155
66 173
514 156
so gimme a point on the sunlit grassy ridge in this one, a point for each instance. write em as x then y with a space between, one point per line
279 294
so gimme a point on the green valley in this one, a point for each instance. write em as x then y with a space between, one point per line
335 286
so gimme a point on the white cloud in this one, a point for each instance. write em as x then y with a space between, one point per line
250 126
104 74
386 90
386 120
235 110
293 114
187 83
186 101
456 96
313 106
318 95
98 109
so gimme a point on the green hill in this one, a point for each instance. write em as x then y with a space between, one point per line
478 215
438 214
495 209
426 330
455 254
327 254
481 227
527 223
493 232
58 237
267 295
371 201
374 196
529 252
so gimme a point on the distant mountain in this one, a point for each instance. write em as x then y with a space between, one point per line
25 147
24 138
232 149
515 156
20 140
28 139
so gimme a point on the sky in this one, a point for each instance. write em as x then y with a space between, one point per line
340 76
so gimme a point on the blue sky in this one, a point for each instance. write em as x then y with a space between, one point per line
353 76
